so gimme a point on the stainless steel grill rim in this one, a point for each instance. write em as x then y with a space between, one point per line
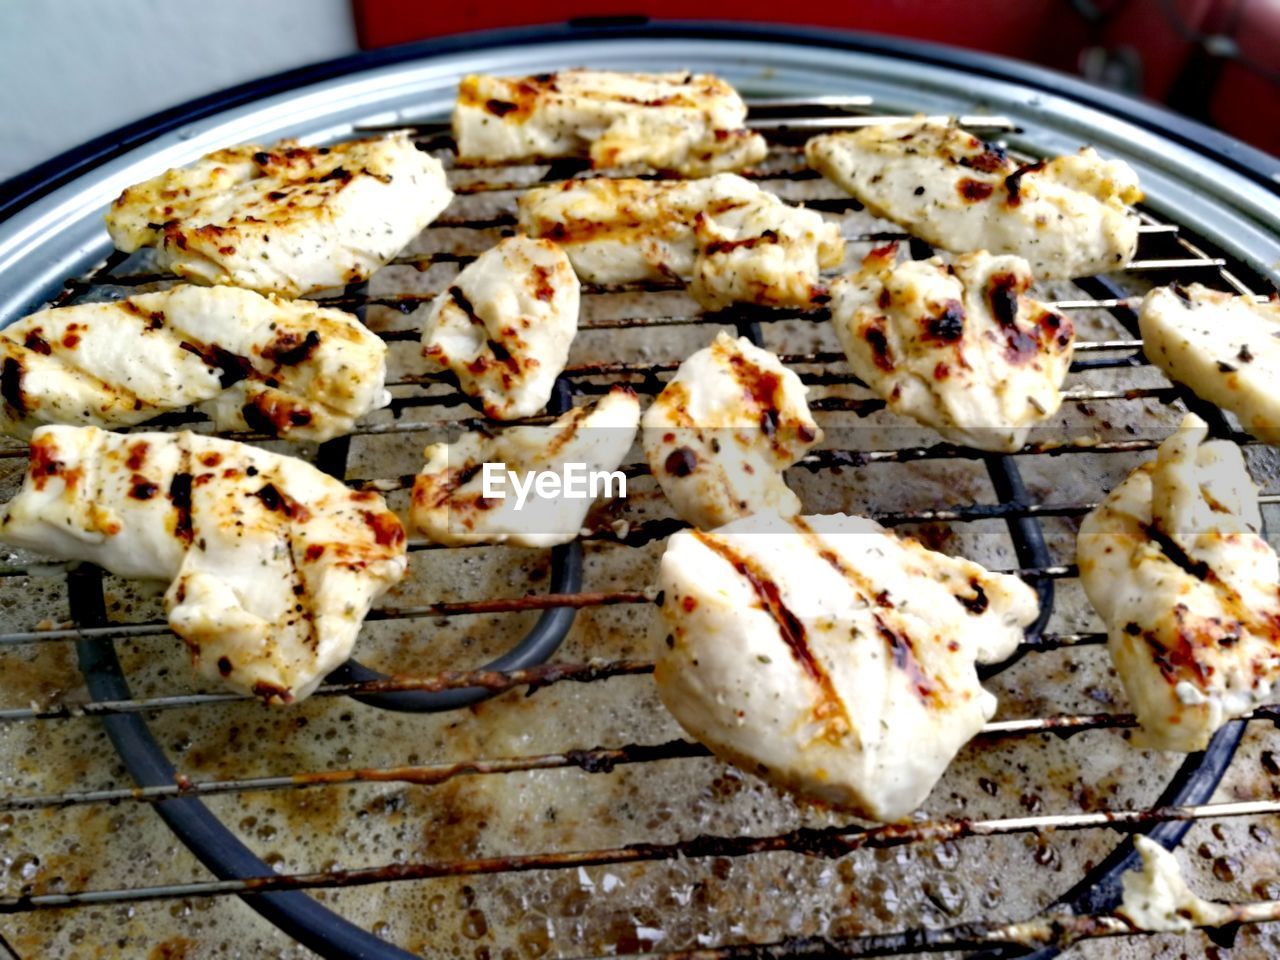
171 792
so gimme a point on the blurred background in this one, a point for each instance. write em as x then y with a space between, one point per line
74 69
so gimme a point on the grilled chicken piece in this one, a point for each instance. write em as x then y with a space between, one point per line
1174 565
690 124
734 241
1225 348
961 348
505 325
449 501
723 430
830 656
273 563
291 369
1068 217
289 219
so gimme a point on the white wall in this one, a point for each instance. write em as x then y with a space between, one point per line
73 69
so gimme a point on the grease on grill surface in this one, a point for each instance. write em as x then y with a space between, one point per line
602 909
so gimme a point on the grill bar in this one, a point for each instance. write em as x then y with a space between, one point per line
828 843
595 760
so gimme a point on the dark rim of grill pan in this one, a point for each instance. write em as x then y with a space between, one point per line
304 918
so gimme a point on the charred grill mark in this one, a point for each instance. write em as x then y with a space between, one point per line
790 628
224 666
11 385
339 174
978 603
543 288
273 415
762 388
974 191
231 366
992 159
1013 182
1002 296
747 243
904 658
464 304
142 489
1177 555
878 340
387 531
500 108
43 463
180 498
946 326
36 343
137 455
681 462
289 350
277 501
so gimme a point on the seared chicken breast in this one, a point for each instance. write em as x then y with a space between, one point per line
288 219
290 369
505 324
1067 217
959 347
273 564
830 656
690 124
723 430
735 242
1225 348
1173 563
450 502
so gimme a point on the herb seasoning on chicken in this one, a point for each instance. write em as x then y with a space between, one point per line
290 369
830 656
1067 217
1189 591
273 564
288 219
959 347
723 430
689 124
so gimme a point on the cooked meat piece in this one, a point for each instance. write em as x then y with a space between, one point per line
1174 565
961 348
450 505
289 219
1157 898
1225 348
274 564
723 430
505 324
1068 217
291 369
736 242
690 124
830 656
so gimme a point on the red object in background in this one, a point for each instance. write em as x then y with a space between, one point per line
1188 52
999 26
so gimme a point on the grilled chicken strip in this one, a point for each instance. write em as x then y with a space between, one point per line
290 369
1225 348
1068 217
287 219
960 348
723 430
450 505
505 325
1173 563
735 242
830 656
690 124
273 564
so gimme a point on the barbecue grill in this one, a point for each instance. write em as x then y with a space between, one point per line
498 779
